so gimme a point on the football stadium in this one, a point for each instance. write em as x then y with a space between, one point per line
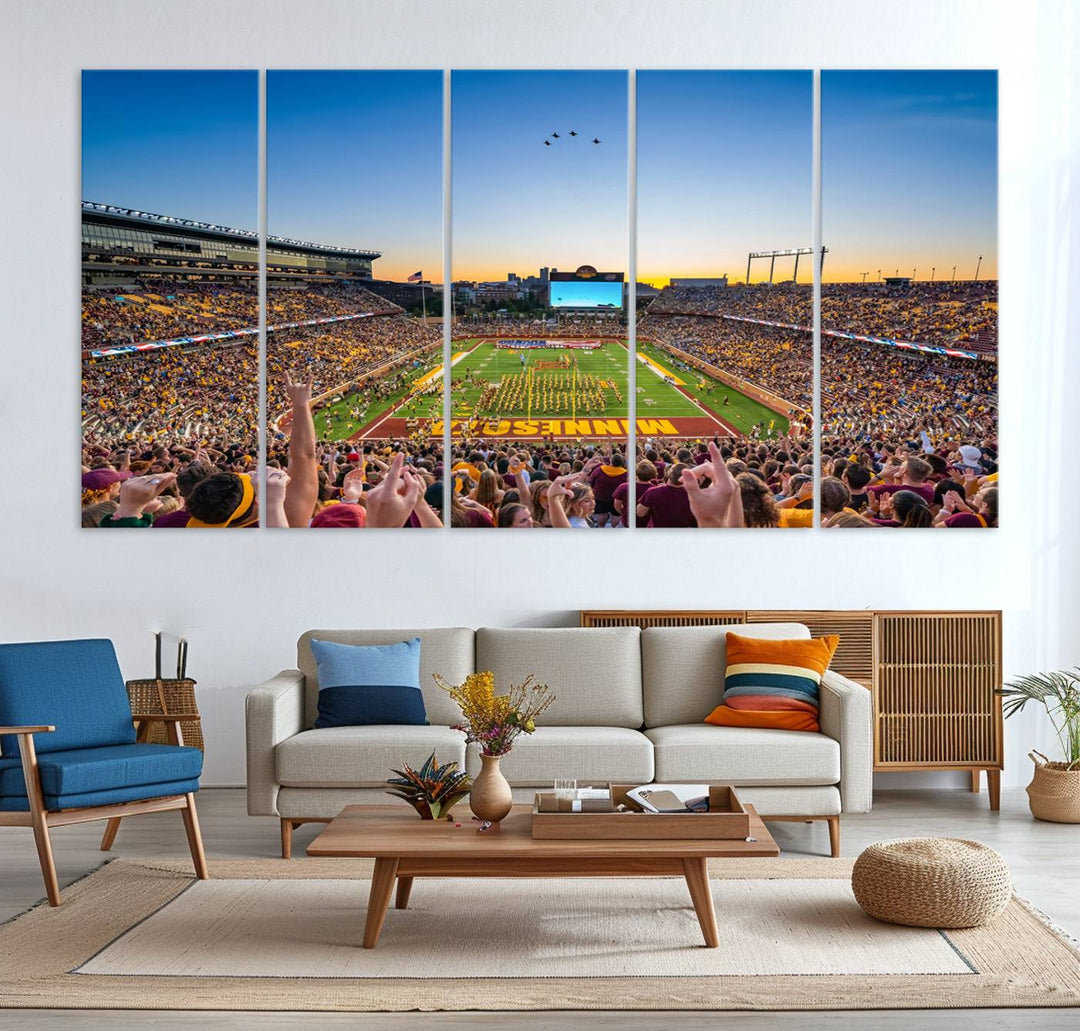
170 371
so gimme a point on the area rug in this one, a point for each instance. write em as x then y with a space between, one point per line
268 934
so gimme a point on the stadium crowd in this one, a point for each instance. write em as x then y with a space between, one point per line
160 423
345 353
945 314
166 309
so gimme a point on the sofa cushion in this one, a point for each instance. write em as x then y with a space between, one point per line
585 754
448 651
84 770
594 673
75 686
362 756
683 667
361 685
773 684
114 796
743 755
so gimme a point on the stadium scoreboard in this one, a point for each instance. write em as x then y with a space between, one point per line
586 289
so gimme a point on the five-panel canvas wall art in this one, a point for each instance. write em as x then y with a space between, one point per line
635 337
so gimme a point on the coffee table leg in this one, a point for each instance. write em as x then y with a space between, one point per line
382 885
697 880
404 887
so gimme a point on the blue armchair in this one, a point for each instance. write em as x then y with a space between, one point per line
68 749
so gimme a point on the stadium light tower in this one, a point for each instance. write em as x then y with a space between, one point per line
977 267
879 275
773 255
954 273
933 269
864 275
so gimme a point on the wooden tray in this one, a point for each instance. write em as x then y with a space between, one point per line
726 819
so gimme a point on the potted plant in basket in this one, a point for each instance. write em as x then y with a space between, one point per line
1054 792
494 722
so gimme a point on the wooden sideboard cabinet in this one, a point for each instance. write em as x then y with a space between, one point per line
934 676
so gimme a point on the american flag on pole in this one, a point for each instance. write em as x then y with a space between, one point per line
416 277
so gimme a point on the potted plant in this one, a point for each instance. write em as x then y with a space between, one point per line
494 722
1054 792
433 790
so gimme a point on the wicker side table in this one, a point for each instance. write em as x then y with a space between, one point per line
932 882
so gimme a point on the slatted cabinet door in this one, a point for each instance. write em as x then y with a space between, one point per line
935 700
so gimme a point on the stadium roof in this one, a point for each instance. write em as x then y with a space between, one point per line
114 214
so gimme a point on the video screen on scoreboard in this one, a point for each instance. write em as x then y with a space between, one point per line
588 289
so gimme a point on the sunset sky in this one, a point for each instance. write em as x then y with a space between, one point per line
909 162
518 204
909 173
724 168
173 143
354 159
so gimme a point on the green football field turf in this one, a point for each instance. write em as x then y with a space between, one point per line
655 397
342 425
490 364
743 413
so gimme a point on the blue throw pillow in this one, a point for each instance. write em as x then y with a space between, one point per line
360 685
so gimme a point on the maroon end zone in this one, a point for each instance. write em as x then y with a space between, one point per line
557 428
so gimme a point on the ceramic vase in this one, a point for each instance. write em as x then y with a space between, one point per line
490 798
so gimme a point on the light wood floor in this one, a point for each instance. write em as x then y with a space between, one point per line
1044 858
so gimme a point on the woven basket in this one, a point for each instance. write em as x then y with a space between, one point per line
1054 791
166 698
932 882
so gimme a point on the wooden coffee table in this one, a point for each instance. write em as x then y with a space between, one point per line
404 847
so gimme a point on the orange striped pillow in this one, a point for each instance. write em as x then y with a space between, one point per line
773 684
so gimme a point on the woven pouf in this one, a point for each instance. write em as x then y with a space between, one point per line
932 882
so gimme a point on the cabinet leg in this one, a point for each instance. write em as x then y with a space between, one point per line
975 781
993 787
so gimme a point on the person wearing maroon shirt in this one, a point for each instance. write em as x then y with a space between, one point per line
604 479
914 476
646 478
666 504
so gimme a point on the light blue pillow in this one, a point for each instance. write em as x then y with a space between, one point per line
361 685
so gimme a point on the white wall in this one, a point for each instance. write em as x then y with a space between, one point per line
243 598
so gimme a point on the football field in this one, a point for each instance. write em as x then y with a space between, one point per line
561 391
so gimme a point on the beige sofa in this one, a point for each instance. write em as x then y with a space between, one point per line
629 707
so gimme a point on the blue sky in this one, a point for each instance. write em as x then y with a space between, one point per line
179 143
909 172
354 159
724 167
518 204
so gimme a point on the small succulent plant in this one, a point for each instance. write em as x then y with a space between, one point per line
433 790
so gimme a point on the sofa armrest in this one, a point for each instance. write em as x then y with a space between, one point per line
846 716
273 711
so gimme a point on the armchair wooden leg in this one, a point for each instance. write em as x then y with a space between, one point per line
286 839
28 755
109 836
194 836
834 836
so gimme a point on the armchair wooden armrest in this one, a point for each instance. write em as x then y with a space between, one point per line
43 729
